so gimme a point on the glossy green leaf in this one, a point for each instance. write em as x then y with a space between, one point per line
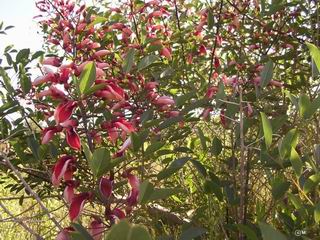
200 168
267 129
100 161
155 146
94 88
22 55
87 77
175 166
192 233
315 54
268 232
124 231
311 182
216 147
266 74
146 190
289 141
129 60
203 139
279 188
82 231
147 61
296 162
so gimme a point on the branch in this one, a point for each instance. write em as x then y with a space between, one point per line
17 220
34 194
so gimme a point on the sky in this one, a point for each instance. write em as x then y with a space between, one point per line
20 13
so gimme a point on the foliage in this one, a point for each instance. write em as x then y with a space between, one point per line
208 110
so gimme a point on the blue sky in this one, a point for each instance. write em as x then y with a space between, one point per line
20 13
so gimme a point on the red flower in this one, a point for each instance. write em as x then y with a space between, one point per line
77 205
48 133
53 61
73 139
68 192
105 187
65 234
62 169
96 229
63 111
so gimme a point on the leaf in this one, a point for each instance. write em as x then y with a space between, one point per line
25 83
268 232
94 88
163 193
315 54
216 147
34 146
97 20
203 140
128 61
220 94
83 232
317 213
100 161
279 188
289 141
304 106
37 54
119 231
192 233
311 182
87 77
139 232
296 162
267 129
181 100
124 231
200 168
22 55
266 74
6 80
87 151
250 234
154 147
168 122
210 20
147 61
146 190
212 187
175 166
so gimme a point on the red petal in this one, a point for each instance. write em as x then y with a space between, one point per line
105 187
96 229
73 139
63 111
68 194
77 205
60 168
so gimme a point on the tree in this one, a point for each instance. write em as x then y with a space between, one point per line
208 109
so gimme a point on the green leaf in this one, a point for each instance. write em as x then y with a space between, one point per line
289 141
100 161
266 74
128 61
203 140
175 166
317 213
210 20
147 61
119 231
279 188
267 129
94 88
311 182
83 232
200 168
315 54
192 233
181 100
22 55
25 83
34 146
87 151
216 147
87 77
169 122
296 162
304 106
97 20
212 187
163 193
250 234
220 94
268 232
6 80
146 190
139 232
154 147
124 231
